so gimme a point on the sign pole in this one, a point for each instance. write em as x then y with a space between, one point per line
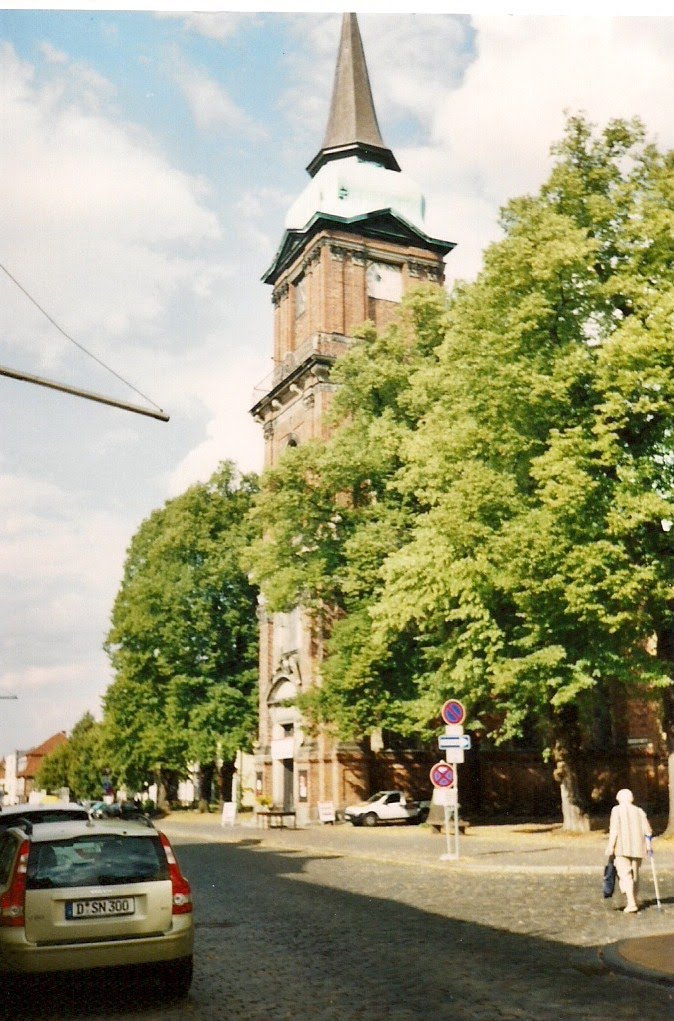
448 855
456 816
454 743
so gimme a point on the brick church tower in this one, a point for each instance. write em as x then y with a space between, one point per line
354 242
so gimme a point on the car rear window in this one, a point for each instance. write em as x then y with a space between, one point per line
8 819
100 860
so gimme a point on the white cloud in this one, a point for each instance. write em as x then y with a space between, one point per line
227 394
48 533
220 25
90 207
211 106
60 566
45 677
498 125
491 133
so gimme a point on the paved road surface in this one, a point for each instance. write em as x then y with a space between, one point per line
285 934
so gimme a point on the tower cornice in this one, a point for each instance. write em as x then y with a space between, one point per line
380 224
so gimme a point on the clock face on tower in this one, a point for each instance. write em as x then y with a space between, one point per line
384 281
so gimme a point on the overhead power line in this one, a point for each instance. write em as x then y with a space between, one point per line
76 391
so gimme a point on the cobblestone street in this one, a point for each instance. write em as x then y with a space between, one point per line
323 934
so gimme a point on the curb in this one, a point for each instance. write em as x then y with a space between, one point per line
615 960
434 860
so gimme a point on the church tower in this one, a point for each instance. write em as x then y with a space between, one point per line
354 243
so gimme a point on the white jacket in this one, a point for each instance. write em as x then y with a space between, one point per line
627 831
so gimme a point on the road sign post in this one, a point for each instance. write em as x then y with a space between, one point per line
454 744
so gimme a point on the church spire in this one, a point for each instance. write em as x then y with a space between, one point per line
352 124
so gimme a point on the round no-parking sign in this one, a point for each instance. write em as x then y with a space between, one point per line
442 775
453 711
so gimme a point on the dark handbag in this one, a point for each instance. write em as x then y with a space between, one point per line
609 877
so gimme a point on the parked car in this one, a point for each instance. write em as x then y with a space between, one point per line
83 895
386 806
10 815
128 810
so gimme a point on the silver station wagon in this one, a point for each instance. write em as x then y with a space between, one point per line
81 895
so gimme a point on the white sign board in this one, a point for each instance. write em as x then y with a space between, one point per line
326 811
461 741
228 813
455 755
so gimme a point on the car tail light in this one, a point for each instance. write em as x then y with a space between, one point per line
181 890
12 900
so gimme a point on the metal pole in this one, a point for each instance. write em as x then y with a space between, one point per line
456 815
88 395
449 852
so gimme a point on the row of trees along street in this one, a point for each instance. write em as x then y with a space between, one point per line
490 518
183 646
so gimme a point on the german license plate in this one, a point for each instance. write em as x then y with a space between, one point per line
100 907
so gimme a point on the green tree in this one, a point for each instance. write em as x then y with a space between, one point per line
77 764
544 457
327 518
183 641
487 520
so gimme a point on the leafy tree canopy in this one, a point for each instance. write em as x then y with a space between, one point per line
77 764
486 520
183 641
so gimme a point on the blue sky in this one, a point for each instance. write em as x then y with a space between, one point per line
148 163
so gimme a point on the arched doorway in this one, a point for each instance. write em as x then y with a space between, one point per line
284 719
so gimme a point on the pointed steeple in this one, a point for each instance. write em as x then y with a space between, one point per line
352 124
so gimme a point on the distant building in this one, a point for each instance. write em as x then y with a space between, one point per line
21 768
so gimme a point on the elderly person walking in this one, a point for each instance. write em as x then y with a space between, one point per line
629 830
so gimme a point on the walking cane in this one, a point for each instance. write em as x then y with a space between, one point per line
655 878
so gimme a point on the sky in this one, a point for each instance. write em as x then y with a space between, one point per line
148 160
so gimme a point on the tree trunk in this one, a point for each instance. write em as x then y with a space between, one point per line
205 786
566 756
665 651
227 780
668 724
218 783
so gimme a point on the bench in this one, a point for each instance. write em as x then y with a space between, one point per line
266 817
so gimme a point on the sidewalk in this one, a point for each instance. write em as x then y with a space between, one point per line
525 848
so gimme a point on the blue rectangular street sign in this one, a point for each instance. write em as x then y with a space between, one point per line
461 741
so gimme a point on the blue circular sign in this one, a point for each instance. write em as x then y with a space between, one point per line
453 711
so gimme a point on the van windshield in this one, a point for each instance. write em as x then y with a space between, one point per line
99 860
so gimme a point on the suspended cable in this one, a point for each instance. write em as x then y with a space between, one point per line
77 344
